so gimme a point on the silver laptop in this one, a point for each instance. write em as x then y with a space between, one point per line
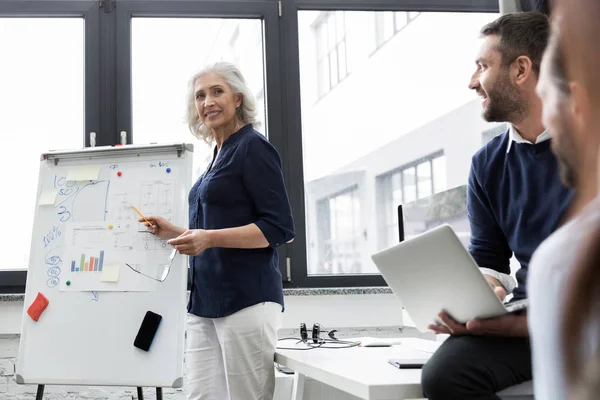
432 272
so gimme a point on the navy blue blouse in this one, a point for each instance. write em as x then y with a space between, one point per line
245 185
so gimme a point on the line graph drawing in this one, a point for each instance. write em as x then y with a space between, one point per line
89 202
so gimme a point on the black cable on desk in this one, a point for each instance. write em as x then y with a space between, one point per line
319 345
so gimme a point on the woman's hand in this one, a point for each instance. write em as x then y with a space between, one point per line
192 242
162 228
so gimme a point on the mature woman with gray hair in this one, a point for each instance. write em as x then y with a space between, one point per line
239 214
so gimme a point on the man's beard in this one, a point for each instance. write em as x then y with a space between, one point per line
504 102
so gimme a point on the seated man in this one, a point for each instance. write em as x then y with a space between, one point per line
515 200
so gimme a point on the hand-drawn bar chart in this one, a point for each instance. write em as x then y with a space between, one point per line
91 264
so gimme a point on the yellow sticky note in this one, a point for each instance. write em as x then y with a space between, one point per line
84 173
110 273
48 197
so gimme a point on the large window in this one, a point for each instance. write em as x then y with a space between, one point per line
84 69
367 105
42 102
402 127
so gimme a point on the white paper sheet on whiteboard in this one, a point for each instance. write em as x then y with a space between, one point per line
91 247
48 197
84 173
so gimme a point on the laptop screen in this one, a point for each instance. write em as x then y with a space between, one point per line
447 207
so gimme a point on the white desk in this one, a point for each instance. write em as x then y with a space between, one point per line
364 371
361 371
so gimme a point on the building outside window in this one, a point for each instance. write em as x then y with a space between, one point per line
401 127
489 134
330 34
389 23
339 233
414 181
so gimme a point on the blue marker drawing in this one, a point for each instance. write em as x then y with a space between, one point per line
54 260
94 296
64 214
52 282
53 234
54 272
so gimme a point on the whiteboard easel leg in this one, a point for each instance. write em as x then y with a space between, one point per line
40 392
159 394
140 393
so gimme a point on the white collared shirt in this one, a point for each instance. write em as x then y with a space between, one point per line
506 280
514 136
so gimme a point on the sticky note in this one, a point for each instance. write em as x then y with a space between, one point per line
84 173
37 307
48 197
110 273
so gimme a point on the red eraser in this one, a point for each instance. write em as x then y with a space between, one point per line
38 306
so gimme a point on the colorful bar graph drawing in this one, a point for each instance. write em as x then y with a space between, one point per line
91 264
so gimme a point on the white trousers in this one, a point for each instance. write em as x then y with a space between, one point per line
231 358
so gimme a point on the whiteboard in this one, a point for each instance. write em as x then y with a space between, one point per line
84 230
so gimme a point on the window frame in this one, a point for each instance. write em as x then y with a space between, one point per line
293 161
107 113
108 108
13 281
265 10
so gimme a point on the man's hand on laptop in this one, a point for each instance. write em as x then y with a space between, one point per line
508 325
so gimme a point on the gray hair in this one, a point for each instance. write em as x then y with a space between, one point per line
246 113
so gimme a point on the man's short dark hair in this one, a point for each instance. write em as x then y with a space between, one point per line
521 34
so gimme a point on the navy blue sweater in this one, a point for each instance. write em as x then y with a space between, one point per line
515 201
244 186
